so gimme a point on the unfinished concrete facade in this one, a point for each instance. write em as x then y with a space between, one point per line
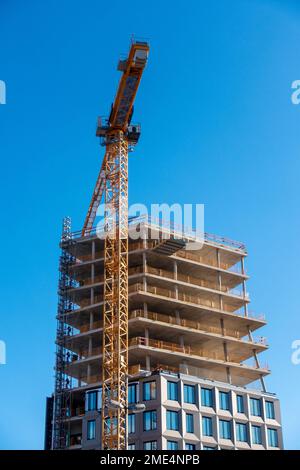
192 352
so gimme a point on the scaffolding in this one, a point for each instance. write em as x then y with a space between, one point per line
62 395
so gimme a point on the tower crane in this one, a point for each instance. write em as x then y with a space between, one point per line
118 136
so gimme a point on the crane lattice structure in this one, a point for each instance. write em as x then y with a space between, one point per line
119 136
62 394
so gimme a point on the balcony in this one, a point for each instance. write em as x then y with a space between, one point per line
206 261
194 361
206 361
188 298
195 325
196 257
188 280
158 344
163 326
186 349
82 355
95 326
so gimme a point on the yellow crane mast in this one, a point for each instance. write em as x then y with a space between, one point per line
118 135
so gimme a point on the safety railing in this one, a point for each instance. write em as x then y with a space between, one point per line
192 280
84 354
259 340
84 303
96 325
173 320
189 299
189 255
178 231
188 350
99 255
139 313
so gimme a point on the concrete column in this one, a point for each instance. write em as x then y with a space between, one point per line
93 249
185 368
256 358
220 302
242 265
181 341
145 309
258 366
219 281
263 385
218 257
144 239
175 269
222 326
92 295
144 262
228 375
91 320
225 352
148 363
88 371
244 289
92 273
176 292
144 270
146 333
249 333
90 345
177 315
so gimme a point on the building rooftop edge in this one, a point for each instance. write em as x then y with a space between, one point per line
174 230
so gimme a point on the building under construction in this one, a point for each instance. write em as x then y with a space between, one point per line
156 346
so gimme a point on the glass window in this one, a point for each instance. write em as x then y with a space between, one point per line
225 429
114 424
240 404
150 445
131 446
150 420
100 398
149 390
189 446
91 429
224 401
256 435
208 448
172 420
206 397
189 393
132 393
241 432
272 437
255 407
172 391
131 423
207 428
270 411
189 423
92 400
172 445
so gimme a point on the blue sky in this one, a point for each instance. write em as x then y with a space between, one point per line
218 127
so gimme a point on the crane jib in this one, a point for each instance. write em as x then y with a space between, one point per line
126 101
